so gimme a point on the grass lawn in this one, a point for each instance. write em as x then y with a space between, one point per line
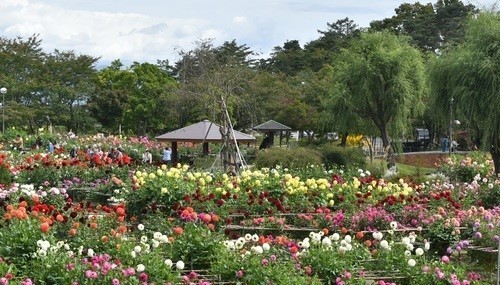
411 170
404 170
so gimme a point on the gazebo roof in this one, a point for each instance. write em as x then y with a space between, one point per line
198 133
272 125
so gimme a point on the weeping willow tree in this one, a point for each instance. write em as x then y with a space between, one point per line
379 79
467 79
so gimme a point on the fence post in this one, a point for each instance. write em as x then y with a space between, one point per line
498 264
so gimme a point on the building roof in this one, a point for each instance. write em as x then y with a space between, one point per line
201 131
271 125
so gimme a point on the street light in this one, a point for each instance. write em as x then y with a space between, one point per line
451 125
3 90
452 122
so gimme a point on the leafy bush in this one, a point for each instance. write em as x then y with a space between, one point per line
5 177
342 156
197 245
490 195
464 168
297 157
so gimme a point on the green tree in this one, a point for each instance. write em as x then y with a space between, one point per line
338 113
270 91
195 71
69 84
147 110
468 76
232 53
380 78
208 74
451 18
21 72
289 59
322 51
114 85
430 26
416 20
135 97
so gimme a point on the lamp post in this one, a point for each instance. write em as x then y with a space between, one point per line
450 135
3 90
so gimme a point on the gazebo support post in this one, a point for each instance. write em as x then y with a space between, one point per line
205 148
271 134
174 153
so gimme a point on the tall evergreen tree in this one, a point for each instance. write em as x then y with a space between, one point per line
322 51
431 27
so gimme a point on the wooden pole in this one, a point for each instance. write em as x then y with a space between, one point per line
174 153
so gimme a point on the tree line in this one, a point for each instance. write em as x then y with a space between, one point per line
412 69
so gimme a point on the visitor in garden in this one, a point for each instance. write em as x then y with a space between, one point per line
167 155
71 135
19 142
72 152
117 154
90 151
38 143
267 142
147 158
110 154
454 146
51 147
444 144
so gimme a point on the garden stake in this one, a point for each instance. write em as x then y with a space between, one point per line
498 264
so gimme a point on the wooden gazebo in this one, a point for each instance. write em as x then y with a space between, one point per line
202 132
270 128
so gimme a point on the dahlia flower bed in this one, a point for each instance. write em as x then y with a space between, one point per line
87 221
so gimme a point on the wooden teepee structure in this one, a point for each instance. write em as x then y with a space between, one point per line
232 159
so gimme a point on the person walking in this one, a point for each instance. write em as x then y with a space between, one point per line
167 156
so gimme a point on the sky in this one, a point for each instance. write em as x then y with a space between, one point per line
148 30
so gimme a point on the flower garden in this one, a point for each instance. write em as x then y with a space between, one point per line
87 220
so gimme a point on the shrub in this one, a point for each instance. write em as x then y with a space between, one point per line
5 176
342 156
490 195
297 157
464 168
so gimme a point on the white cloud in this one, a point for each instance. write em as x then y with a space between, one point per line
154 29
109 35
240 20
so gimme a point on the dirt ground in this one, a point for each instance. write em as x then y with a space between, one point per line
426 159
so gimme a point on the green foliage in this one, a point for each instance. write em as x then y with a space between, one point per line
441 236
490 195
5 176
296 157
380 80
342 156
71 76
255 269
331 41
40 175
288 59
20 241
464 168
464 81
197 246
429 26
